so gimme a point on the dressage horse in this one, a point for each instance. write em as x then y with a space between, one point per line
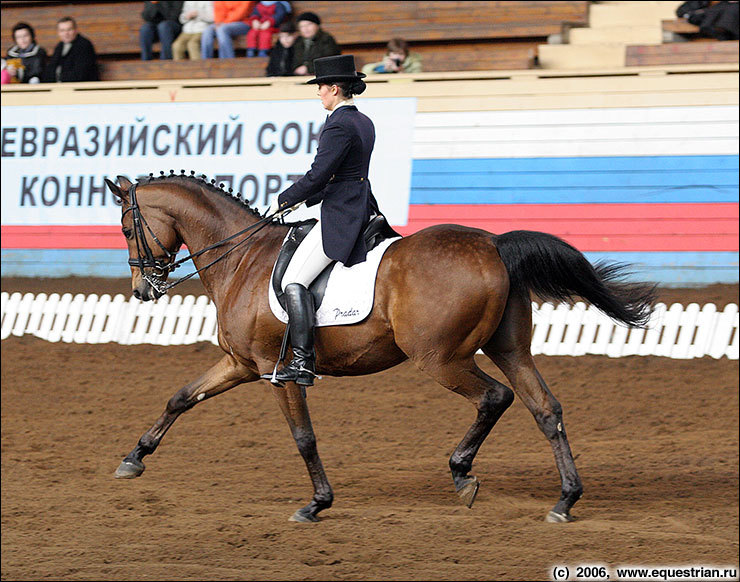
442 294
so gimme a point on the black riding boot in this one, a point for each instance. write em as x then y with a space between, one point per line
301 369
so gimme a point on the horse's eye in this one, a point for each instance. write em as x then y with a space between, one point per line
127 232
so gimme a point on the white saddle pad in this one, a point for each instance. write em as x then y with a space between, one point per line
350 291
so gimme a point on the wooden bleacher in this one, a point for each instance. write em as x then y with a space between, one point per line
692 49
450 36
680 26
683 53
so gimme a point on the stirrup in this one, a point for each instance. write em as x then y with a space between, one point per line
272 378
281 384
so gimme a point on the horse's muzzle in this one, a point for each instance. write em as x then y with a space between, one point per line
145 292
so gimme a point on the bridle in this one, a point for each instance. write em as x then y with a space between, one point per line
148 260
160 268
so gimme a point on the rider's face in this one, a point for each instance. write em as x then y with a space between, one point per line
328 95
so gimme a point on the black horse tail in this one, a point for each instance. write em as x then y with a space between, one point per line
553 269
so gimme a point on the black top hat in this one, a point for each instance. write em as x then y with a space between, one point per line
336 68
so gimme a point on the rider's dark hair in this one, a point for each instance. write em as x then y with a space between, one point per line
351 88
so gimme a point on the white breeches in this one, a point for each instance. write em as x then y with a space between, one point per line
308 260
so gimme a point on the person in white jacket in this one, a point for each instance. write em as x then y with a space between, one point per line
195 18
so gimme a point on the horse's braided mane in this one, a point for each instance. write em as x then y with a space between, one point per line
201 180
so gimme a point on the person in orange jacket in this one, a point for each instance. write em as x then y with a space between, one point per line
230 19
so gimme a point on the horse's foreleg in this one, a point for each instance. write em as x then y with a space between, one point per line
226 374
292 400
519 368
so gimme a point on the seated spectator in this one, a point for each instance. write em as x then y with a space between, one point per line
26 60
161 23
230 19
74 57
264 20
281 55
397 59
195 18
313 44
720 20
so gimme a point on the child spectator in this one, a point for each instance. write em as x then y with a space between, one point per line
397 59
281 55
313 44
26 60
264 20
74 57
230 19
195 18
161 23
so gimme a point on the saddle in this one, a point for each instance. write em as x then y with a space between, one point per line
375 232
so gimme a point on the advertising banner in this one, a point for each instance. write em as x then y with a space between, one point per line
55 158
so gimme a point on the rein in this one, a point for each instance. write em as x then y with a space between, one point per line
162 268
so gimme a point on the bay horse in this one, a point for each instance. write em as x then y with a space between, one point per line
482 280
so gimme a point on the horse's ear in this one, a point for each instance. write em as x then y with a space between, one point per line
124 182
117 192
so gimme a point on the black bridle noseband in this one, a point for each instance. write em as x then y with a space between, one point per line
161 267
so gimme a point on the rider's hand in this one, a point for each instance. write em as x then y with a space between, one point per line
274 206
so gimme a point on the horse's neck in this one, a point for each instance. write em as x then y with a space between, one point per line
206 220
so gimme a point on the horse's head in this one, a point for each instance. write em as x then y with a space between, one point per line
150 234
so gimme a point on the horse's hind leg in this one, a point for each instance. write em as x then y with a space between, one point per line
226 374
491 399
510 350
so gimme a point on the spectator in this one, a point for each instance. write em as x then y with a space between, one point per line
281 55
74 57
26 53
397 59
718 20
230 19
313 44
264 22
195 18
161 23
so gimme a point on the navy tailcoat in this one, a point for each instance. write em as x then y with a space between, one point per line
338 178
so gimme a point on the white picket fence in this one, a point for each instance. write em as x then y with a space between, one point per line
563 330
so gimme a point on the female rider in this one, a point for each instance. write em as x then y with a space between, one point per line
337 179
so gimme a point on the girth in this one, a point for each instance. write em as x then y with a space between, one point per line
375 232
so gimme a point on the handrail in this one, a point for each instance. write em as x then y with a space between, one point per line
530 74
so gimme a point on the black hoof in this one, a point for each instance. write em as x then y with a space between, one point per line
129 469
301 517
555 517
468 490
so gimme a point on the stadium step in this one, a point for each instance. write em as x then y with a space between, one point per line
568 56
617 34
604 15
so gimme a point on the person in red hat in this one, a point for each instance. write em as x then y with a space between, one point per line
338 179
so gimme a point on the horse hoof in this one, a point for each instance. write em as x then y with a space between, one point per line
303 517
129 469
553 517
468 491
